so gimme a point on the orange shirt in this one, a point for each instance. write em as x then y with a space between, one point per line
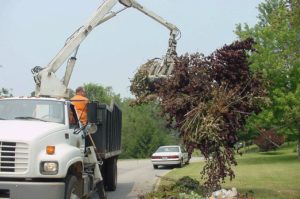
80 104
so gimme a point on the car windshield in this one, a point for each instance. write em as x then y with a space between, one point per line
32 109
168 149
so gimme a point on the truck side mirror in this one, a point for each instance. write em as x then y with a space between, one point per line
92 113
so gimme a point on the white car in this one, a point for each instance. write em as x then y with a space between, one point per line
169 156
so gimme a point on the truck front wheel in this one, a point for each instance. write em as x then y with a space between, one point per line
72 187
100 190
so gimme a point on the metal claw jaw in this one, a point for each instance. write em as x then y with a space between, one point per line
154 72
159 68
166 66
150 75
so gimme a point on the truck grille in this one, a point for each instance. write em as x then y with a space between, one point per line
13 157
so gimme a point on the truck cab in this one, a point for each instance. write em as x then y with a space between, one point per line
44 153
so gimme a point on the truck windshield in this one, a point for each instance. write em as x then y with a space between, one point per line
32 109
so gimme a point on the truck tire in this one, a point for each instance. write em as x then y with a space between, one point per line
101 191
111 174
72 185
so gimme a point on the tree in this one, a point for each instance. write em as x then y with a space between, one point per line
5 92
277 56
143 130
96 92
268 140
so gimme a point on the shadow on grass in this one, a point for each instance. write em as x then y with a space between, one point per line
272 153
263 193
269 158
164 167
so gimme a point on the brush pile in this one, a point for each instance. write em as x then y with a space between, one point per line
208 99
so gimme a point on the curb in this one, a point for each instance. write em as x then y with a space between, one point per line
157 183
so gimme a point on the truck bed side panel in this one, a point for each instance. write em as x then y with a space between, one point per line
108 135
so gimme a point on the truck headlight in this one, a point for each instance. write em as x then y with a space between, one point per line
49 168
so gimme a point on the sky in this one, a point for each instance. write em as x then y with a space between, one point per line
33 31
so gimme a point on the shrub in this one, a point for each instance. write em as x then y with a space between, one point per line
269 140
185 187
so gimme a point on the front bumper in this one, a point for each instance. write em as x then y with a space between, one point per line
31 190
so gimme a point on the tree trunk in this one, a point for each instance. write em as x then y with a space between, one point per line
299 147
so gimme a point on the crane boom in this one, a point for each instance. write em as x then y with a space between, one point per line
47 84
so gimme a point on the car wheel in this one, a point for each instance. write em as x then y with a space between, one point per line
180 165
155 166
187 161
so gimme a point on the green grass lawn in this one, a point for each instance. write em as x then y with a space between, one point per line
267 175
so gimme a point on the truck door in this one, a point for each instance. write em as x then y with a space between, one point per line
76 135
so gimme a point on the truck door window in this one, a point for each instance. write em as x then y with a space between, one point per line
73 120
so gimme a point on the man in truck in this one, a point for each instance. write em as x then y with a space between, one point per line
80 102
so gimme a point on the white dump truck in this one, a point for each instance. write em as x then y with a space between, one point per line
45 152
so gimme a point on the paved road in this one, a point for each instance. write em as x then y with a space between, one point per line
136 177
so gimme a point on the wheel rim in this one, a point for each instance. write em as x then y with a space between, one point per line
73 195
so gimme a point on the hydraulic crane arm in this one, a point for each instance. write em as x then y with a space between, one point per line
149 13
47 84
167 65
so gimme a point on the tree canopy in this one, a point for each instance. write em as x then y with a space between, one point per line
276 37
5 92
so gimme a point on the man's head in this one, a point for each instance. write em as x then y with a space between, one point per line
80 91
